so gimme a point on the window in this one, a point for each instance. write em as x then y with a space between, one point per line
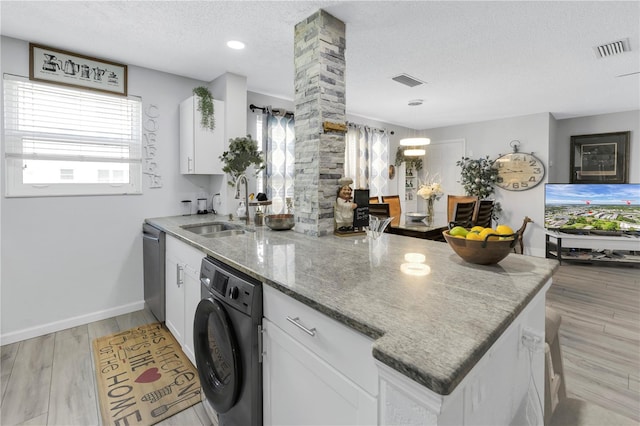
62 141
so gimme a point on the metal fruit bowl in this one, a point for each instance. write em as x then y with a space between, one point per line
481 252
279 222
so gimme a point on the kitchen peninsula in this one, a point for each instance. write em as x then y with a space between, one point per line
444 334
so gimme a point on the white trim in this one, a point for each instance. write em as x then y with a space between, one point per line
40 330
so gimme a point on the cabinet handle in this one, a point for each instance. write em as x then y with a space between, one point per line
180 274
294 321
189 160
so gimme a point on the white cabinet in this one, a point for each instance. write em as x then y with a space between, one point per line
324 375
499 389
182 291
200 148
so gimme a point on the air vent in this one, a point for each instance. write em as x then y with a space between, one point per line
407 80
613 48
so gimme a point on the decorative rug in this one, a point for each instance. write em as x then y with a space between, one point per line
143 376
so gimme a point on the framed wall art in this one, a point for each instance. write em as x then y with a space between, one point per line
600 158
71 69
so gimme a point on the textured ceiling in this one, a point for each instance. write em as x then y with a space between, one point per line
481 60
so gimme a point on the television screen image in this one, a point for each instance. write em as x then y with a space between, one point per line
607 209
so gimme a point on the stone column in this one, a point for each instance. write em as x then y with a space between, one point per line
319 57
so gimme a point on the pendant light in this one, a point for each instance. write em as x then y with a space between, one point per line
414 144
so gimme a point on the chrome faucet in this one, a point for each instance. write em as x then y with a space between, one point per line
213 203
246 193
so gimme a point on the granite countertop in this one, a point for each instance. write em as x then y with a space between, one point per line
433 328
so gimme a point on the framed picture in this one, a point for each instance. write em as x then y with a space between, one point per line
71 69
600 158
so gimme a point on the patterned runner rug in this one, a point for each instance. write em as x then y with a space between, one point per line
143 376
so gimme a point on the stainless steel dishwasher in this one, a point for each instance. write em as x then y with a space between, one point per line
153 248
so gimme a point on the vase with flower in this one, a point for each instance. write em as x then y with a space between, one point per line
430 191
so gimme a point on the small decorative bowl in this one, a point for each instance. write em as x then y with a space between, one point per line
481 252
279 222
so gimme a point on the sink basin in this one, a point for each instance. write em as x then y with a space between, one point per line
215 230
226 233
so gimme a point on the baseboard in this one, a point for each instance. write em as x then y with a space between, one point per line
41 330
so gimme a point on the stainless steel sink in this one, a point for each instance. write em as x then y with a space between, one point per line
215 230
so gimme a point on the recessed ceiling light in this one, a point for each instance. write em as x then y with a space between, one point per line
235 44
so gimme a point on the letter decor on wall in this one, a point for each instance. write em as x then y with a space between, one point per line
71 69
149 135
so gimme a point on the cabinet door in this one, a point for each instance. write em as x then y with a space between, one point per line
191 300
302 389
174 294
199 147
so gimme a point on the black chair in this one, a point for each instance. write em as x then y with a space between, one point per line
380 210
463 215
484 215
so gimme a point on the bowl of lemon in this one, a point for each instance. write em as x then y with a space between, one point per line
482 246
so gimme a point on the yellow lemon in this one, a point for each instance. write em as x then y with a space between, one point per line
474 236
477 229
487 231
458 231
504 230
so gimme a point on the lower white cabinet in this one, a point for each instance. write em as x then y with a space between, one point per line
308 379
182 291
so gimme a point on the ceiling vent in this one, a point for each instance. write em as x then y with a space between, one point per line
613 48
407 80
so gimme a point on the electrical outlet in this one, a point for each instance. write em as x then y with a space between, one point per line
532 339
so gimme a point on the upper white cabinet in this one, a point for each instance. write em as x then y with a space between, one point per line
200 148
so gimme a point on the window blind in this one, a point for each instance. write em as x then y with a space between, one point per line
64 141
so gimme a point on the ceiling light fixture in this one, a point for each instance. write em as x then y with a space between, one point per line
413 144
414 152
415 141
235 44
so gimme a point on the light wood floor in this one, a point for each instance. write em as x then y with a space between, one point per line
49 380
600 334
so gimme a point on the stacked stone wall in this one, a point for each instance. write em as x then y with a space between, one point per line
319 60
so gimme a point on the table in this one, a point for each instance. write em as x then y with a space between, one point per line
629 243
408 228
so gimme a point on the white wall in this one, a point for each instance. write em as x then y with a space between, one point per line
70 260
605 123
492 138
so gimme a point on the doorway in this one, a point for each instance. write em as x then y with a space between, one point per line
441 159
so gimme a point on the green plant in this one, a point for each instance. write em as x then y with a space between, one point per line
478 178
412 162
242 153
205 106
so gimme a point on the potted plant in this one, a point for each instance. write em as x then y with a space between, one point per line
478 178
205 106
242 153
411 162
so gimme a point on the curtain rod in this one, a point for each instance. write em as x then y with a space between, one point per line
350 123
268 109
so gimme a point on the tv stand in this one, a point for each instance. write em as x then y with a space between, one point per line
593 248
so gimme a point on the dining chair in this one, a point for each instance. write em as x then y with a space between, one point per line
483 214
394 207
380 210
463 214
558 408
452 200
374 200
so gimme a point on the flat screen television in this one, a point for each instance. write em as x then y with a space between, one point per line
600 209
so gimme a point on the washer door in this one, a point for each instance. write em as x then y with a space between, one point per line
217 355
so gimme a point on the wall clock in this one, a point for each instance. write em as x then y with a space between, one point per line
518 171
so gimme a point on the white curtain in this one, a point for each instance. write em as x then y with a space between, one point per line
367 158
280 156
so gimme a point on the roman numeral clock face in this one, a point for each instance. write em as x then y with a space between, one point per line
519 171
